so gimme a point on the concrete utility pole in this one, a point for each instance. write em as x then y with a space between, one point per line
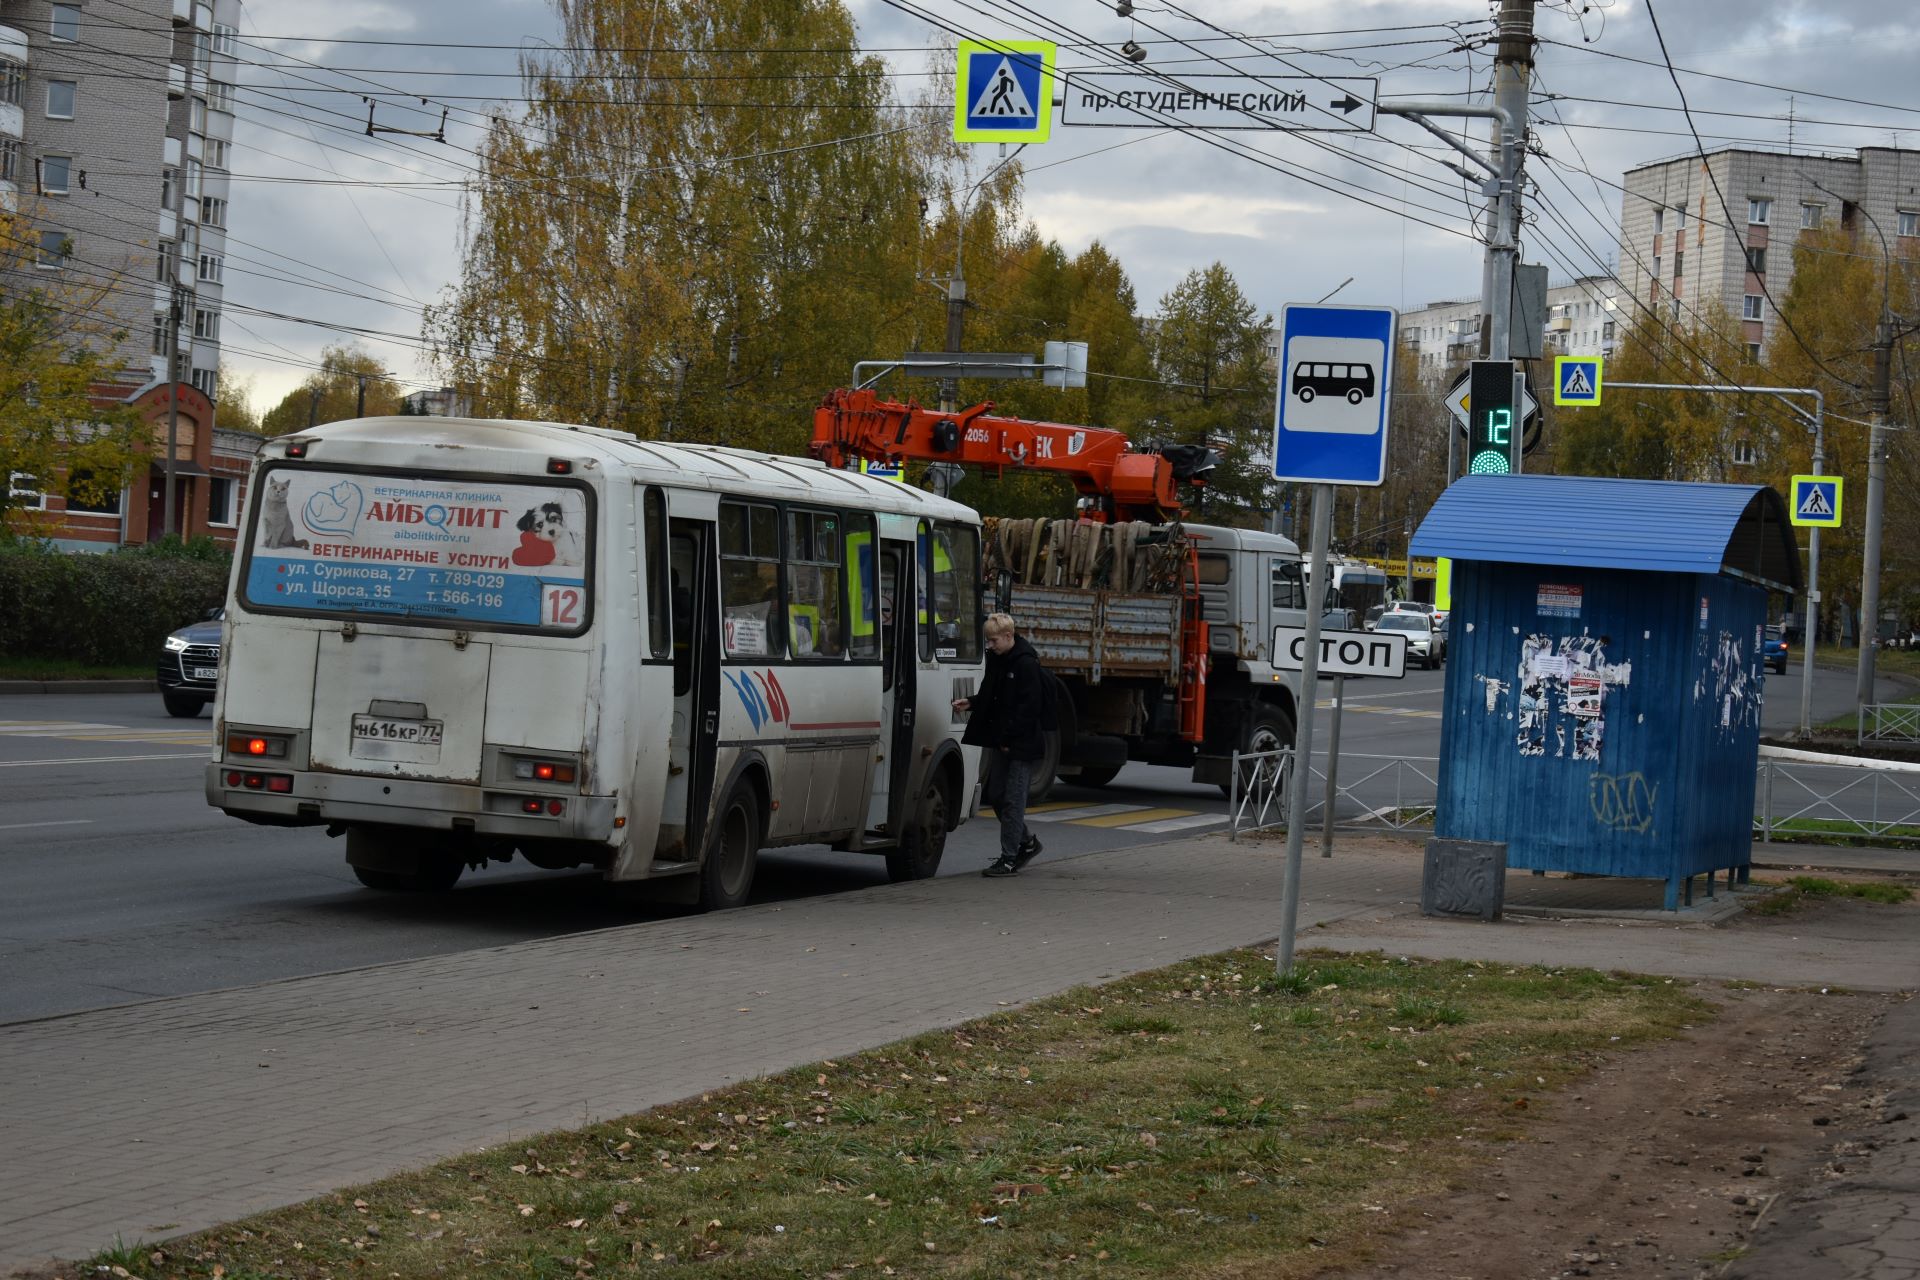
1512 68
1876 492
956 321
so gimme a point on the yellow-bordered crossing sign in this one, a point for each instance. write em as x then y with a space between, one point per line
1003 91
1816 501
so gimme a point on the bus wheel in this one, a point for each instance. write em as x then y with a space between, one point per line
1095 775
380 862
1354 395
1305 394
726 875
925 839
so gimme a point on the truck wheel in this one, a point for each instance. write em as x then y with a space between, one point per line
380 861
726 873
184 705
1265 728
1046 770
1094 775
925 839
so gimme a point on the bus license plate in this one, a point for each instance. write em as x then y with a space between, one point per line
206 673
369 730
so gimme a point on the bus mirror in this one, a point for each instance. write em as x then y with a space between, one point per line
1003 591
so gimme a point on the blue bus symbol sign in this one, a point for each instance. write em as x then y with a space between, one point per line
1004 91
1336 376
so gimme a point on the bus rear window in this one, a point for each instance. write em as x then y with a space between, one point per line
472 552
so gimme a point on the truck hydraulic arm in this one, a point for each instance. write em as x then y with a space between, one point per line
1126 484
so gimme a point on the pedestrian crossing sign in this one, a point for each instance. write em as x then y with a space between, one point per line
1003 91
1816 501
1576 380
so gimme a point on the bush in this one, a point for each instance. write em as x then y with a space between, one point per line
105 610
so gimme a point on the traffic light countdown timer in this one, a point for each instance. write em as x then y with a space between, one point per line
1491 438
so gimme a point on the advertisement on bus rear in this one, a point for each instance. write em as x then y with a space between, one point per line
444 550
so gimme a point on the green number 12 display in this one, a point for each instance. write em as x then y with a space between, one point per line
1490 418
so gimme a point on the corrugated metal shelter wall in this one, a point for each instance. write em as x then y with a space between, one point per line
1576 723
1719 726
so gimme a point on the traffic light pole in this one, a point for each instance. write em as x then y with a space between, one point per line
1817 419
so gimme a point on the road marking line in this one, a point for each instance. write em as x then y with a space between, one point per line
62 822
30 728
1178 824
1128 819
31 764
1078 812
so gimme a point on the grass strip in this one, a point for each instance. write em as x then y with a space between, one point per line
1796 891
1206 1118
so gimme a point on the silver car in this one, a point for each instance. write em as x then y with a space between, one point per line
1426 644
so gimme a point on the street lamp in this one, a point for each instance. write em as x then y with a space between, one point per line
1876 465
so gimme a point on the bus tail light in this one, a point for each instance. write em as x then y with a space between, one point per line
535 805
543 771
280 783
257 746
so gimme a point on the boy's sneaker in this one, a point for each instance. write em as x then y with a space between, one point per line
1029 850
1002 867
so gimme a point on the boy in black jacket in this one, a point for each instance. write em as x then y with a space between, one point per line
1007 724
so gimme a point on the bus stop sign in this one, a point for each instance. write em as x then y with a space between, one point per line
1336 370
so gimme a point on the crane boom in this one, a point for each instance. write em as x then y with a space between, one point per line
1125 483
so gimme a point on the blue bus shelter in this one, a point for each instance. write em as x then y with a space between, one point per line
1606 669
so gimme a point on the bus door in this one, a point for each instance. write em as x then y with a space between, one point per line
897 676
693 741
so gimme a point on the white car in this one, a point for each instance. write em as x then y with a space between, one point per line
1426 643
1439 616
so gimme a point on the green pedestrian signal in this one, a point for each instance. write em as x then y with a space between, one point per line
1490 425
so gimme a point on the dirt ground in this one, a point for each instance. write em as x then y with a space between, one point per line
1661 1163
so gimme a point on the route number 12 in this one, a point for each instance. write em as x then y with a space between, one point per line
560 606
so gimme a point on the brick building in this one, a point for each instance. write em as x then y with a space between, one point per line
116 126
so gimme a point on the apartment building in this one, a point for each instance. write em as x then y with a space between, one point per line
1584 317
116 131
1683 251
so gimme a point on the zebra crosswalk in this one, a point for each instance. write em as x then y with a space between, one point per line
1144 818
200 735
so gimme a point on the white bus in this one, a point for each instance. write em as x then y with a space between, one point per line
452 640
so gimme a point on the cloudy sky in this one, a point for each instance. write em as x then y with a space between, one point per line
354 234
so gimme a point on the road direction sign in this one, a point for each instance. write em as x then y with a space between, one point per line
1576 380
1139 100
1816 501
1460 401
1344 653
1336 372
1003 91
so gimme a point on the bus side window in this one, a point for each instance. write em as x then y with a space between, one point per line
660 607
750 580
955 593
682 574
863 609
890 567
813 585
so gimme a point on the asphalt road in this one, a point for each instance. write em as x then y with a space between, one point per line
122 885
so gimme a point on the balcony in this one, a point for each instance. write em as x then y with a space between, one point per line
176 80
12 122
13 45
182 12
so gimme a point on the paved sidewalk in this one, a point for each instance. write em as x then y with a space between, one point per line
177 1114
1864 1224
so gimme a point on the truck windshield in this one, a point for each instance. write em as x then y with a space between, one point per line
440 550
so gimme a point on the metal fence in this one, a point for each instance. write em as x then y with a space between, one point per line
1371 793
1797 795
1889 722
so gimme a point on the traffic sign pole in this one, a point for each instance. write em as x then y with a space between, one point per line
1303 730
